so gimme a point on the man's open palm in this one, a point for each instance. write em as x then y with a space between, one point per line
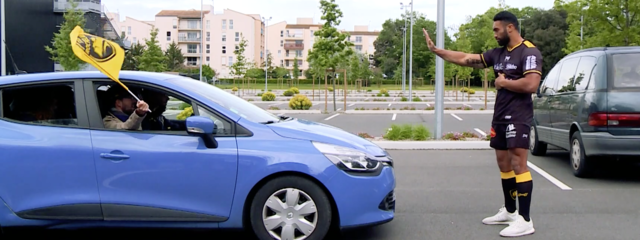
430 44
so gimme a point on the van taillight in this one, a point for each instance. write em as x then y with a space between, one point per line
614 119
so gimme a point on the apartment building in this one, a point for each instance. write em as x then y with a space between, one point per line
288 42
142 28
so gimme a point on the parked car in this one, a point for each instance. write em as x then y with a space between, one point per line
588 104
234 165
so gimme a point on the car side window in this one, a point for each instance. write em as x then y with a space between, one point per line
583 73
46 104
223 126
566 79
547 87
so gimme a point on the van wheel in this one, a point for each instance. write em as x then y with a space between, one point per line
289 208
581 165
536 147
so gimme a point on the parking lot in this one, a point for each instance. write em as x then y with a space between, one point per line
445 194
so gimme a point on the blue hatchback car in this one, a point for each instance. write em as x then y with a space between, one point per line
209 159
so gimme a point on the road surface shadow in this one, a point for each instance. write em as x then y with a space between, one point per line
607 168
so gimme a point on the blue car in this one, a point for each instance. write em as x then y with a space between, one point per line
201 158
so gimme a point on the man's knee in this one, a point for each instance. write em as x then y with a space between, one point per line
518 159
504 160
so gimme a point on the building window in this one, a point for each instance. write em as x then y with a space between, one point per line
224 37
208 59
281 43
224 49
208 36
192 48
175 23
230 60
311 32
281 63
358 39
237 37
192 61
224 24
237 47
300 63
208 48
279 52
135 40
168 36
298 53
261 54
281 33
223 60
208 24
193 24
286 53
359 48
230 24
129 30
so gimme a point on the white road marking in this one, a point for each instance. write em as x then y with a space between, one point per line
551 179
276 104
350 105
450 100
332 116
428 105
481 132
456 116
394 117
389 105
339 109
366 99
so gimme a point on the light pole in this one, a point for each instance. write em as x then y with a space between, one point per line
439 70
411 55
266 52
201 36
404 49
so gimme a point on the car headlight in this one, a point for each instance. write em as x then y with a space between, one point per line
351 159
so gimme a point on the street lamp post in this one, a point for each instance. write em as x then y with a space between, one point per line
411 56
266 52
201 36
404 50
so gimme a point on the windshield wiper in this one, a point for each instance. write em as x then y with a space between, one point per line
283 117
269 122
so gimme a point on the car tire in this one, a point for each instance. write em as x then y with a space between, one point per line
307 193
581 165
536 147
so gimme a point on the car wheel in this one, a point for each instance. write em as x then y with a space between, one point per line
289 208
580 163
536 147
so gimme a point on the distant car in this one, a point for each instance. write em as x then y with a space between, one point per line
589 104
235 166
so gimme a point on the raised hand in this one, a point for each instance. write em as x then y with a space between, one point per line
430 44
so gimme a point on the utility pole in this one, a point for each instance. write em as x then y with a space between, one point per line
411 55
201 36
404 50
266 52
439 70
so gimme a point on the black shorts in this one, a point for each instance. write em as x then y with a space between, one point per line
506 136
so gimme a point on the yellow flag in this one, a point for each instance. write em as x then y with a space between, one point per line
105 55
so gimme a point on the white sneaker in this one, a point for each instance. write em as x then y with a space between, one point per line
518 228
502 217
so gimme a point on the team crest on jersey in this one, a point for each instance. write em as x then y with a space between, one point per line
493 132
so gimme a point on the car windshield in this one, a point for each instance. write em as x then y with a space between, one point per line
227 100
627 68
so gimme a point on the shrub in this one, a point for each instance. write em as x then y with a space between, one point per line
235 89
187 112
268 96
384 91
386 94
295 90
407 132
421 133
416 99
404 99
330 89
259 94
183 106
464 89
300 102
368 90
288 93
471 91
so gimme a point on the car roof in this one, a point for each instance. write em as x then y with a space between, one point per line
619 49
132 75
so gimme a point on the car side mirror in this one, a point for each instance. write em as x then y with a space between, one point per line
202 127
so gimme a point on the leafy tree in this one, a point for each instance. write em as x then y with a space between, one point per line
240 66
208 72
270 67
153 59
296 69
132 57
547 30
331 46
175 58
61 52
281 72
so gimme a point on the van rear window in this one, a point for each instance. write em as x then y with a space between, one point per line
626 70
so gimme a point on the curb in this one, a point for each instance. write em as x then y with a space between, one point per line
490 111
433 145
296 111
379 103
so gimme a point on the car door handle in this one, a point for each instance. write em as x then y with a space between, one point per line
114 156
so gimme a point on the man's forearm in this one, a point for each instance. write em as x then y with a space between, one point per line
521 85
451 56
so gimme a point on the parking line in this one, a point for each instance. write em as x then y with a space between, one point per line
350 105
428 105
335 115
389 105
339 109
394 117
456 116
551 179
366 99
481 132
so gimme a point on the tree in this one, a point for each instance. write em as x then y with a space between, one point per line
331 46
547 30
61 52
132 57
239 67
270 67
175 59
296 69
208 72
153 59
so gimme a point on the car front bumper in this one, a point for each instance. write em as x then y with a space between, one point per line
364 200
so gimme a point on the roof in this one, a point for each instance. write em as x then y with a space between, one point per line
616 49
366 33
181 13
52 76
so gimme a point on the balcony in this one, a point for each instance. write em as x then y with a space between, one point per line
189 39
294 36
294 46
193 53
61 6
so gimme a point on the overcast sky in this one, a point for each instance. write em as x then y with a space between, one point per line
356 12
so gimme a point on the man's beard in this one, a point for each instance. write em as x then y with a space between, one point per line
503 41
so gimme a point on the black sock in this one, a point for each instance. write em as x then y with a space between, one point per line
509 190
525 188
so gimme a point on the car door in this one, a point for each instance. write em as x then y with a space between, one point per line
559 103
541 104
163 175
47 169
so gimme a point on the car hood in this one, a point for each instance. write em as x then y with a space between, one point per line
313 131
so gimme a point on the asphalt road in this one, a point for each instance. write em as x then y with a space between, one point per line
443 195
377 124
320 105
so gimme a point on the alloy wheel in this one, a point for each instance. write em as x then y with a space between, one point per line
575 154
290 214
532 138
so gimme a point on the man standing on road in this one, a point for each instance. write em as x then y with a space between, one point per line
518 67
